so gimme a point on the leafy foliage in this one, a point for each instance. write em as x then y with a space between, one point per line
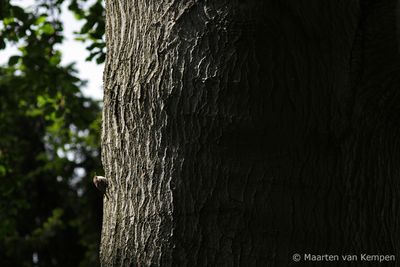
49 143
93 28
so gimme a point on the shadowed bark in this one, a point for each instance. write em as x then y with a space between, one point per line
236 133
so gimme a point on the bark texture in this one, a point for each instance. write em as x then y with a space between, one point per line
236 133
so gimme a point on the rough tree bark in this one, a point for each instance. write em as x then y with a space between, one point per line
236 133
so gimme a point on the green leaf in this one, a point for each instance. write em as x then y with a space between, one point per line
2 44
40 20
13 60
19 13
3 170
55 59
8 21
47 28
101 59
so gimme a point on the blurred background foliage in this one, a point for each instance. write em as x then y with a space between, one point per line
50 213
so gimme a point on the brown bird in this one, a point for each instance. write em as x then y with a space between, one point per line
101 184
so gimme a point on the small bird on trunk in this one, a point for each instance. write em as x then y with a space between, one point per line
101 184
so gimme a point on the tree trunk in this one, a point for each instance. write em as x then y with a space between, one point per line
237 133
